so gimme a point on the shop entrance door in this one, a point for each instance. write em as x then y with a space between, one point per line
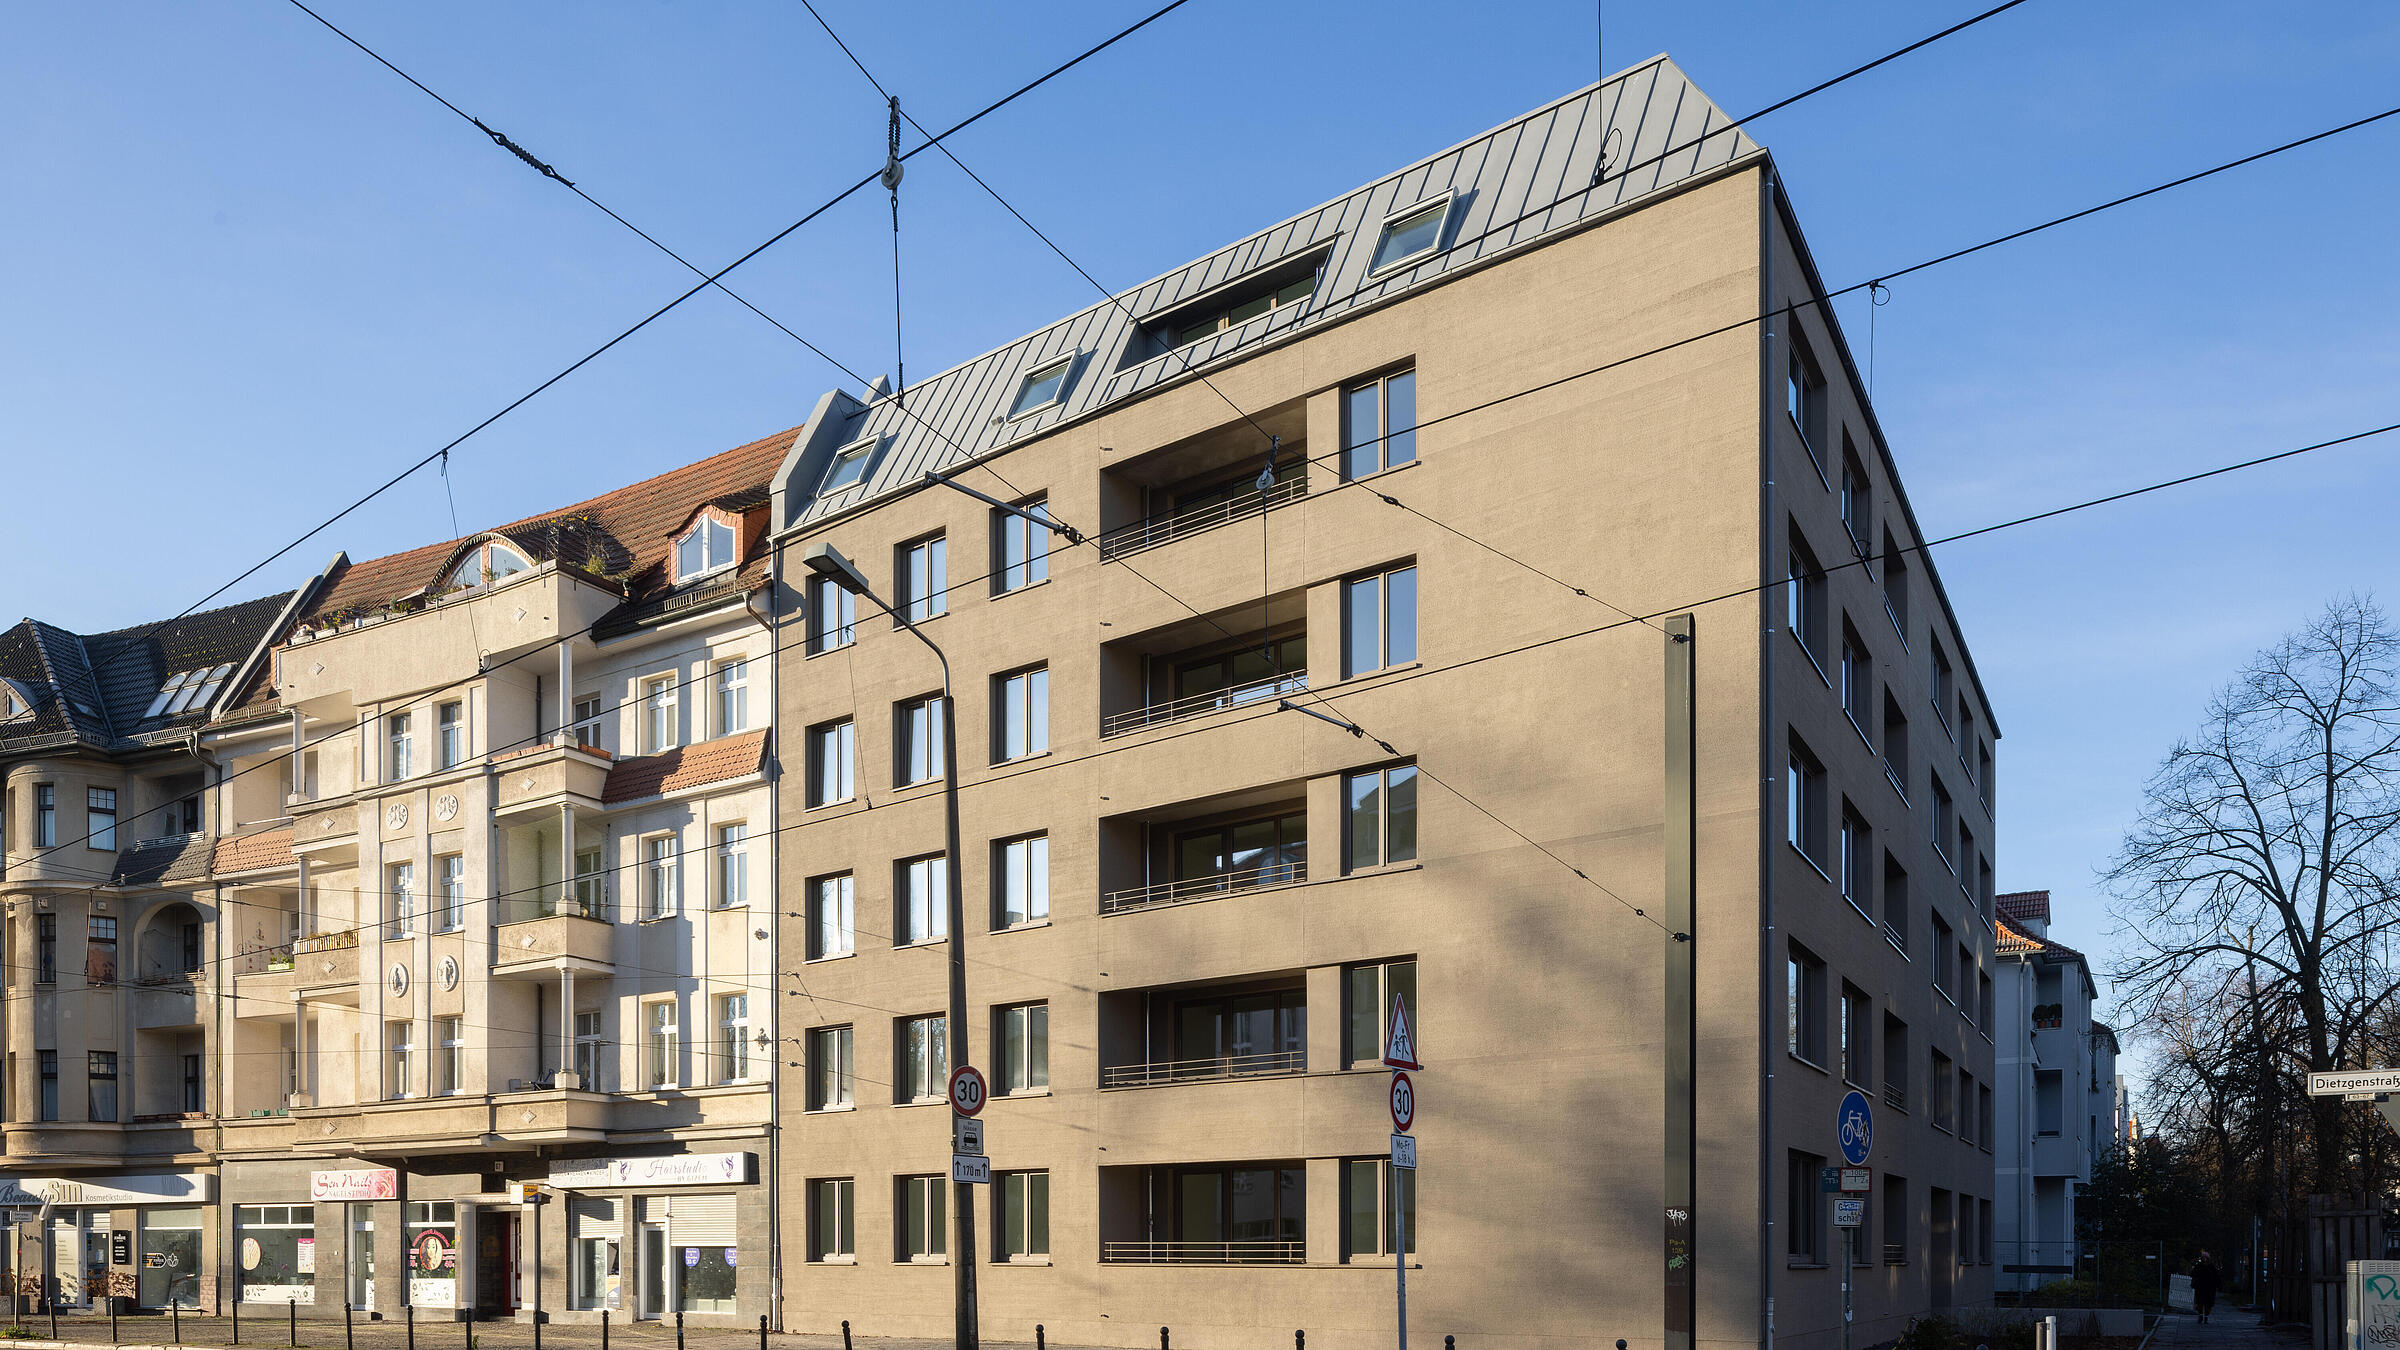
495 1263
362 1255
658 1272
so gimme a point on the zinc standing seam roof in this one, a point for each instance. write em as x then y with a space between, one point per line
1527 179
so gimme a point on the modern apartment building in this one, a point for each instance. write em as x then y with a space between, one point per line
112 1088
2062 1105
1335 696
471 885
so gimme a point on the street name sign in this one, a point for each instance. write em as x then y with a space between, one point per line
1404 1152
2346 1082
1404 1101
967 1090
972 1168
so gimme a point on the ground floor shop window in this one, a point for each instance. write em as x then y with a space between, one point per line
595 1236
701 1229
362 1255
432 1236
170 1257
278 1253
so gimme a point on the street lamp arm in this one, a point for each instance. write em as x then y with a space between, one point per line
1042 518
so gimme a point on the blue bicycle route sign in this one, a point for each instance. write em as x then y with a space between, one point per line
1854 1125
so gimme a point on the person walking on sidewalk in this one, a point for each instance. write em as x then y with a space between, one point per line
2205 1280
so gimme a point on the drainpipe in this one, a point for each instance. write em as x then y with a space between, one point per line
774 1008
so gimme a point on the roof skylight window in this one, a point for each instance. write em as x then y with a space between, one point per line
168 692
15 701
187 690
490 561
706 547
1044 387
849 465
1410 234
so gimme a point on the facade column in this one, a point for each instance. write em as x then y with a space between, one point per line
566 1030
299 1094
566 694
566 857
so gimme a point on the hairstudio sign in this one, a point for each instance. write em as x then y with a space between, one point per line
682 1169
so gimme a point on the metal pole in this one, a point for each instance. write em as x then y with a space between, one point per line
604 1329
1400 1253
962 1261
291 1317
678 1329
410 1311
1682 1010
175 1315
349 1328
1849 1264
235 1305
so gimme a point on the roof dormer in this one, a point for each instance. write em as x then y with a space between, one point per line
486 561
709 544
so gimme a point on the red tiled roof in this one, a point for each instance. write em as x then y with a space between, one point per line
686 766
2024 905
250 852
2011 940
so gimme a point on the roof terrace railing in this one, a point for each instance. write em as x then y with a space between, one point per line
1269 877
1201 705
1166 528
1204 1070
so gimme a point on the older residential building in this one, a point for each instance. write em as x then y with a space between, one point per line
106 833
2061 1100
1262 752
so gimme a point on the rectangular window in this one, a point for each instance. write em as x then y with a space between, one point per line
100 950
1895 585
832 762
924 1059
1368 1023
1045 386
398 743
1410 234
1940 1086
733 1038
922 573
662 896
1376 1200
195 1092
1020 548
1895 903
733 696
1857 680
1945 686
1804 399
49 1068
832 1219
2049 1101
921 912
400 897
1895 744
1024 1037
1858 1012
1983 1003
849 465
832 616
829 1068
102 1098
660 726
1805 599
1983 886
1895 1219
1895 1063
1380 817
1020 714
587 722
403 1050
733 866
450 724
450 883
45 815
1945 958
1804 1210
1983 774
1379 621
589 1049
1804 804
917 740
1856 498
1379 424
1021 873
1856 861
831 919
666 1047
45 949
447 1040
924 1226
1945 821
1983 1115
1966 1106
591 880
100 818
1804 997
1966 854
1024 1216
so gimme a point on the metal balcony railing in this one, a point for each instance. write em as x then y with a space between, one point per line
1895 1096
1245 1252
1201 705
1205 888
1203 1070
1126 540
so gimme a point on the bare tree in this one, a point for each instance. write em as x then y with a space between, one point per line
2267 850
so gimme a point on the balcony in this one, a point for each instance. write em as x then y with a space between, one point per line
1195 485
1239 1252
1232 844
1257 1028
268 978
538 779
1200 512
1267 877
1204 1070
555 935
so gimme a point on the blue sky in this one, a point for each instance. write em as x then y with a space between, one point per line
250 274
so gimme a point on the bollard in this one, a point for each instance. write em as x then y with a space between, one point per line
1039 1343
679 1329
845 1334
1162 1338
762 1331
175 1314
537 1329
349 1330
113 1337
291 1314
409 1310
604 1329
54 1318
469 1323
236 1306
1299 1340
1450 1343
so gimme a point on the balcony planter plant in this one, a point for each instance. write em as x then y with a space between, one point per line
2048 1016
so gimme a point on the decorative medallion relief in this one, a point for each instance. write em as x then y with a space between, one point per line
445 807
395 816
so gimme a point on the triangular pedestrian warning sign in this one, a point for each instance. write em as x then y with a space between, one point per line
1400 1049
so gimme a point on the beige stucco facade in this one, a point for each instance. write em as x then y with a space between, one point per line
1533 715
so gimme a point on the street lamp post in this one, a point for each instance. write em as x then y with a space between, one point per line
825 561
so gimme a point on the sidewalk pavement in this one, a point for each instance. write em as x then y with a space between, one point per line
268 1331
2228 1328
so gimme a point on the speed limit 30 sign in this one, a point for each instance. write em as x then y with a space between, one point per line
1404 1101
967 1091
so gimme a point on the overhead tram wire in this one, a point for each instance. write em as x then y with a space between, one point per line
707 280
1626 360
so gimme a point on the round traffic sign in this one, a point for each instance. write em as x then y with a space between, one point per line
1404 1101
1854 1128
966 1090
